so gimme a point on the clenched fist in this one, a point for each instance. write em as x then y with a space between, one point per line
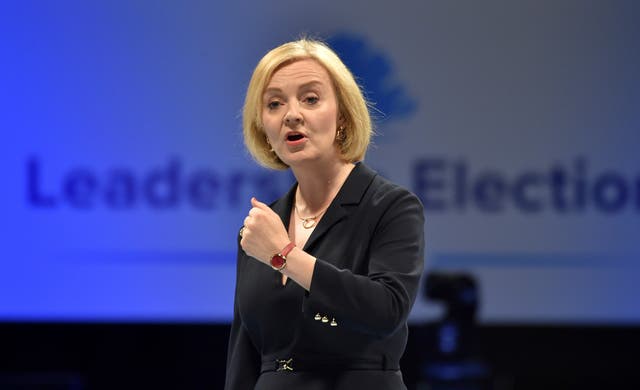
263 234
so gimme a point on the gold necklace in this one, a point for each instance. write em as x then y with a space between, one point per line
308 222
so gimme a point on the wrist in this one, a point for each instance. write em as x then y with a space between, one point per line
279 260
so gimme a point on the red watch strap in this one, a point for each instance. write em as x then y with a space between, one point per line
287 249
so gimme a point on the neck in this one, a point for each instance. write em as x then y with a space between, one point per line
317 186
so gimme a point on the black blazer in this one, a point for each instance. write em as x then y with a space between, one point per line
369 247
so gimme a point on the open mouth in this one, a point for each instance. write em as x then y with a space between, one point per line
294 137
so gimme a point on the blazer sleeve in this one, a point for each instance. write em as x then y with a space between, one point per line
380 301
243 359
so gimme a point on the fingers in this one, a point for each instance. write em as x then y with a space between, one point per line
262 231
255 215
260 217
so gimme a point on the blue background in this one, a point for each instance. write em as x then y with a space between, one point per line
136 101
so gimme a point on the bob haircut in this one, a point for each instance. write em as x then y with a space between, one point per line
352 107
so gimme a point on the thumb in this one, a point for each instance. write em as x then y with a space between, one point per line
256 203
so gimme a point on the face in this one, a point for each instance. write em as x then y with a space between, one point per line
300 114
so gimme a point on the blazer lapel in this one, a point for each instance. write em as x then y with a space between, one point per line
350 193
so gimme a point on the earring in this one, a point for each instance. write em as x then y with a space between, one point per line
340 135
268 143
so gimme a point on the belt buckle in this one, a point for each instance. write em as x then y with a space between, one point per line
284 364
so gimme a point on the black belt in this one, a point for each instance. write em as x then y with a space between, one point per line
325 364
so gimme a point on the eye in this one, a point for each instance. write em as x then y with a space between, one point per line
311 100
274 104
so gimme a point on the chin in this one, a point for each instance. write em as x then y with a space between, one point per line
294 161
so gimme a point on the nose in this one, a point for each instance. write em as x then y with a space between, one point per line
291 120
293 117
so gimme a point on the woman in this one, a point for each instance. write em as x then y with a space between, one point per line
328 273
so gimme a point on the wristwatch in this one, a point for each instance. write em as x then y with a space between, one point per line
279 260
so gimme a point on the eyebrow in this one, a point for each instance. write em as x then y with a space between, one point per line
305 85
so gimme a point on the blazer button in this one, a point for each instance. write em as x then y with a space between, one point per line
325 319
333 322
317 317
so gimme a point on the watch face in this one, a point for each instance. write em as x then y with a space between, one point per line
277 261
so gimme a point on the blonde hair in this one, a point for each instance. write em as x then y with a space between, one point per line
352 106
